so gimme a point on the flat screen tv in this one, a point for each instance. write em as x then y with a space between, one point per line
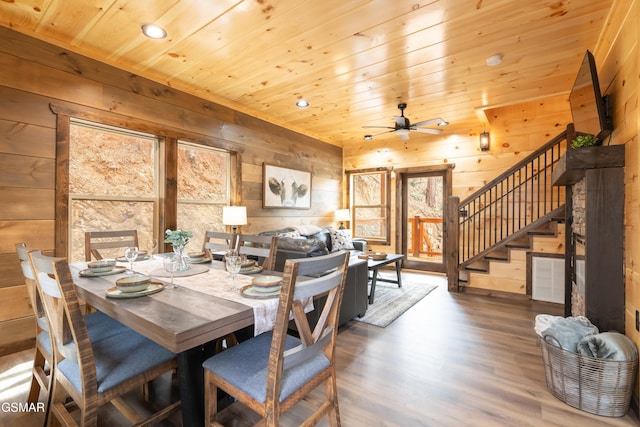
589 109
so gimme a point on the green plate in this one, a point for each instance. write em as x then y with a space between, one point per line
116 270
153 288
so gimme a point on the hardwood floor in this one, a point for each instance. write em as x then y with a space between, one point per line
451 360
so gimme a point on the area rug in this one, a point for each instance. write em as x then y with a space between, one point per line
390 301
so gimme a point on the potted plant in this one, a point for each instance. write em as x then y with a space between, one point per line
584 141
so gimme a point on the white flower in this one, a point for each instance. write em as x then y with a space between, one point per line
177 237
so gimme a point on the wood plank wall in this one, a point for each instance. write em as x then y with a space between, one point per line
34 75
618 60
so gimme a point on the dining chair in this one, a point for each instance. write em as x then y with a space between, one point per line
99 326
268 374
43 357
218 241
95 240
265 247
93 373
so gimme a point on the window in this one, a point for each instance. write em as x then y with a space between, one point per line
369 205
112 183
203 189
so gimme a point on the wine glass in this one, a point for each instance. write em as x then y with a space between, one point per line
152 244
131 253
171 266
233 263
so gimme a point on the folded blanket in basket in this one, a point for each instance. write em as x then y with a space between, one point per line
608 345
568 331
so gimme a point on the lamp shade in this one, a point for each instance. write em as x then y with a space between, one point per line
342 215
234 215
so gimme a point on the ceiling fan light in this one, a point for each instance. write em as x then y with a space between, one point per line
402 131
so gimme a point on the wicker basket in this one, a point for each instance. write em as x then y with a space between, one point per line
598 386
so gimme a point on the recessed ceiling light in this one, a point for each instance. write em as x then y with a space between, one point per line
494 60
443 123
368 137
302 103
153 31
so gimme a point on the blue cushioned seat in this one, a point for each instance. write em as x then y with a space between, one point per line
99 326
118 358
245 366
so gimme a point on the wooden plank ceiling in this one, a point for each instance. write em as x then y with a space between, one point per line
352 60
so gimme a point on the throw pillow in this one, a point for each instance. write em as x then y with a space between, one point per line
292 234
341 240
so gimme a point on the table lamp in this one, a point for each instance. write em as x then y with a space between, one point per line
341 216
234 216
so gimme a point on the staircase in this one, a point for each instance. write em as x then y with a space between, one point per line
508 213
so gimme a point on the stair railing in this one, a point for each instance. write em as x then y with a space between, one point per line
515 200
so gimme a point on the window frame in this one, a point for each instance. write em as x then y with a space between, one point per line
167 166
384 207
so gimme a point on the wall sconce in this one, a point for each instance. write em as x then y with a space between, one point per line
341 216
485 141
234 216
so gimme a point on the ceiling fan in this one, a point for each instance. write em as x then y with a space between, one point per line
403 126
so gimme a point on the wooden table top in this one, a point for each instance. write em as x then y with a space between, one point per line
388 260
178 319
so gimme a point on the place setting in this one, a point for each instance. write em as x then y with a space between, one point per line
134 286
198 257
103 267
142 255
263 287
249 266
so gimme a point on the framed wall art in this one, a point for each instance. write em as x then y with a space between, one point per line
285 188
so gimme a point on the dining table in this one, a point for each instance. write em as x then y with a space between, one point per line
206 304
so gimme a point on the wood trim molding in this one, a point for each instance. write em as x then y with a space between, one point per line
61 220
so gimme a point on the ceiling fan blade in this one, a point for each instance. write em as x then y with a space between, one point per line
428 130
381 133
429 122
377 127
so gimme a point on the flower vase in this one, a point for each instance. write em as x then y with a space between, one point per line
182 260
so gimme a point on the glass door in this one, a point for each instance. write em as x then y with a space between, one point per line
423 208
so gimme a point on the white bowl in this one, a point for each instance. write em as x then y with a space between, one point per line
101 266
266 283
135 283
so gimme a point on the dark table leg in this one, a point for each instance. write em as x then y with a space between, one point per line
374 277
191 384
398 272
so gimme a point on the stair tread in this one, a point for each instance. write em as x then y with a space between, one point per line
501 254
522 242
478 266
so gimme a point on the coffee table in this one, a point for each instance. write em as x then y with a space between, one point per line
374 265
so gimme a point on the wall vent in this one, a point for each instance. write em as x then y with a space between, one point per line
547 279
